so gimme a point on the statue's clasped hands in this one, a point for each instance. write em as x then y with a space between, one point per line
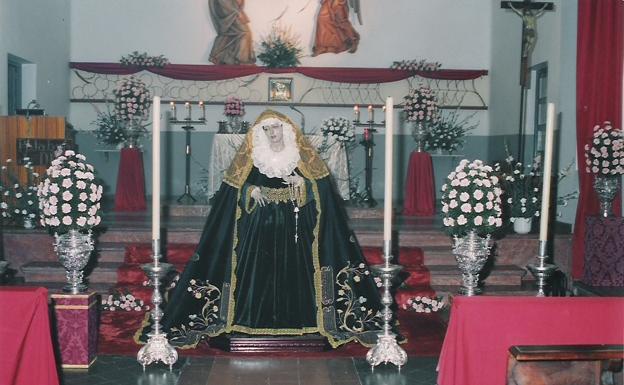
294 180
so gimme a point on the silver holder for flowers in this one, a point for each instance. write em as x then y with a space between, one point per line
542 270
471 252
419 132
386 349
157 347
74 249
606 187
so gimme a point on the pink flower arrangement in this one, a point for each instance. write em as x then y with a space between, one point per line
605 155
234 106
132 100
421 105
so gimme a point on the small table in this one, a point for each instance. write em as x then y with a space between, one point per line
224 147
26 355
604 251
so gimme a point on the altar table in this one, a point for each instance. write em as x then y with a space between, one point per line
482 329
26 354
224 148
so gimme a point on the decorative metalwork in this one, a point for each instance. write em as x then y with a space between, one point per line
157 347
387 349
419 132
368 142
471 252
542 270
606 187
74 249
93 87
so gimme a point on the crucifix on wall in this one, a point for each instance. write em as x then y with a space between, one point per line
529 12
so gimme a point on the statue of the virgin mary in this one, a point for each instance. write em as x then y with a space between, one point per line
276 256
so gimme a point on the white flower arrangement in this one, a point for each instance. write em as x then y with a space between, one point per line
18 203
123 301
605 155
424 304
69 196
521 188
341 129
471 199
448 133
109 129
132 100
421 105
415 65
143 60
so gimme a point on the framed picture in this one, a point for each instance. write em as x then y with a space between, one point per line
280 90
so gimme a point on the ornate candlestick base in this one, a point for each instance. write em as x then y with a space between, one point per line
542 270
387 349
157 347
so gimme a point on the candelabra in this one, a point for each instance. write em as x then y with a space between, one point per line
187 197
368 143
387 349
542 270
157 347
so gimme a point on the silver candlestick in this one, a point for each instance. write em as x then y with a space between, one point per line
542 270
387 349
157 347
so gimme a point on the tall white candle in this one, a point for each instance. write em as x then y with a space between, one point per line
156 168
548 157
388 172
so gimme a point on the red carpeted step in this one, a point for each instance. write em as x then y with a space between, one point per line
177 253
373 255
416 276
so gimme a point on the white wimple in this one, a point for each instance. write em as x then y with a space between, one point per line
270 163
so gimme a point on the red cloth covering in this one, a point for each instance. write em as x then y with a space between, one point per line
482 329
76 318
419 186
130 194
26 355
600 55
335 74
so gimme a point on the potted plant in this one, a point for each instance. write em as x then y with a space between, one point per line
448 133
18 202
69 204
604 158
471 209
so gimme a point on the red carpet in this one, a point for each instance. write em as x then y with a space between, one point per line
424 332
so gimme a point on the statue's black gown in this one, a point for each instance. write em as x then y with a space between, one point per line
249 275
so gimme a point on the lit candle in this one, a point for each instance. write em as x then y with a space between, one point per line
388 174
371 114
156 168
202 106
356 112
173 111
548 156
188 110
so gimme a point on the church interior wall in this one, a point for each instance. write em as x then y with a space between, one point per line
37 31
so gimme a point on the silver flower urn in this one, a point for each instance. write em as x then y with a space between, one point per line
471 252
74 249
419 132
606 187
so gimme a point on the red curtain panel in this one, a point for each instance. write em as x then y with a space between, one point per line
600 51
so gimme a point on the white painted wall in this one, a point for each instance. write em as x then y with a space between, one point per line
38 31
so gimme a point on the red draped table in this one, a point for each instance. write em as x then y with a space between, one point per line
604 251
130 194
26 354
419 186
482 329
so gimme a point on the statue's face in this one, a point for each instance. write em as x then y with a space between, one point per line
275 132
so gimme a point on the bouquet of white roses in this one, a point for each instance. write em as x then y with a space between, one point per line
69 196
143 60
605 155
424 304
471 199
340 129
132 100
18 203
521 190
421 105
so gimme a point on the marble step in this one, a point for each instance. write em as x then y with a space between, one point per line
497 275
202 210
45 271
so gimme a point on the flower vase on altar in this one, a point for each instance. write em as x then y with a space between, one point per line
606 188
471 252
234 124
522 225
419 132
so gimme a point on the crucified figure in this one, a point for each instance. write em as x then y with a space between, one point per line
529 27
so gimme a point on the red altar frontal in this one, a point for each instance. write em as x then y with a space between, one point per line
76 324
